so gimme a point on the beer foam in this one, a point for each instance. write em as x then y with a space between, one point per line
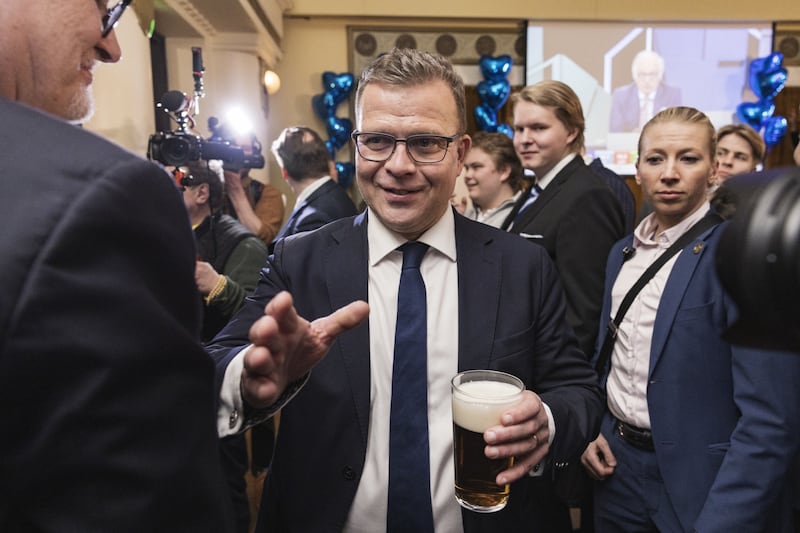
478 405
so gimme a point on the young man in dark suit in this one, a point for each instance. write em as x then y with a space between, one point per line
569 210
493 301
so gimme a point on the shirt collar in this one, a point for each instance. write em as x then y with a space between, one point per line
303 196
644 233
383 241
550 176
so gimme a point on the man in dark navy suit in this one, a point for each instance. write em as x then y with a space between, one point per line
307 167
493 301
634 104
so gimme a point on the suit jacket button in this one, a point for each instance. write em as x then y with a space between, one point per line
348 473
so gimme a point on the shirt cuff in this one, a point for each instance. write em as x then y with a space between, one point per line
233 415
231 404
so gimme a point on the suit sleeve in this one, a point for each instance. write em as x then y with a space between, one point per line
114 424
751 481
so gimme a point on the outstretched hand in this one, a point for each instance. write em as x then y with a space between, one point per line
286 346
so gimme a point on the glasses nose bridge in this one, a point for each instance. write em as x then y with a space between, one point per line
394 150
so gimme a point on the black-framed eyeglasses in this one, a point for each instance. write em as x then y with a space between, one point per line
112 17
422 147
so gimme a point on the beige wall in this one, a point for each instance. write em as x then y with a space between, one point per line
123 92
315 40
678 10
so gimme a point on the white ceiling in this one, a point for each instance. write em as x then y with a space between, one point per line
182 18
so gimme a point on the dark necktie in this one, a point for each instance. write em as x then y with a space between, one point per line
532 196
409 505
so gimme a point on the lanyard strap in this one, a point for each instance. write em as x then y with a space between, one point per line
702 225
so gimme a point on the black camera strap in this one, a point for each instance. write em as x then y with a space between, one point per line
701 226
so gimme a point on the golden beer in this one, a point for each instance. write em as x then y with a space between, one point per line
480 397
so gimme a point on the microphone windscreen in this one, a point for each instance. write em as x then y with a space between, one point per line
174 101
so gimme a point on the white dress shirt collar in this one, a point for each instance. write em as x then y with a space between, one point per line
303 196
644 234
550 176
383 241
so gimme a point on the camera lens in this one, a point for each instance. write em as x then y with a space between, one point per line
176 151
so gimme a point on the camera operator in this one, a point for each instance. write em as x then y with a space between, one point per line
228 266
259 207
230 257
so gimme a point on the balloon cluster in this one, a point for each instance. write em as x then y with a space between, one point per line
493 92
337 88
767 78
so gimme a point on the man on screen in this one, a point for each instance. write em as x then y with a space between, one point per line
634 104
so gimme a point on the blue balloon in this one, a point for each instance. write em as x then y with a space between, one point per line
760 67
774 130
339 130
496 68
505 129
494 93
345 172
320 107
486 117
331 148
337 85
755 114
771 83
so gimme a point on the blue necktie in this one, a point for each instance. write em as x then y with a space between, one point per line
532 196
409 502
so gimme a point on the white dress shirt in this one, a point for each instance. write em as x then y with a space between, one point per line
630 358
439 271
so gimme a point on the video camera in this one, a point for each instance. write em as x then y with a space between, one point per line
180 146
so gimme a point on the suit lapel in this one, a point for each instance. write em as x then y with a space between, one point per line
347 281
615 259
322 190
548 194
288 228
478 296
672 296
291 223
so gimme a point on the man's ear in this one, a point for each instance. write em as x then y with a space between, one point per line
202 194
464 144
